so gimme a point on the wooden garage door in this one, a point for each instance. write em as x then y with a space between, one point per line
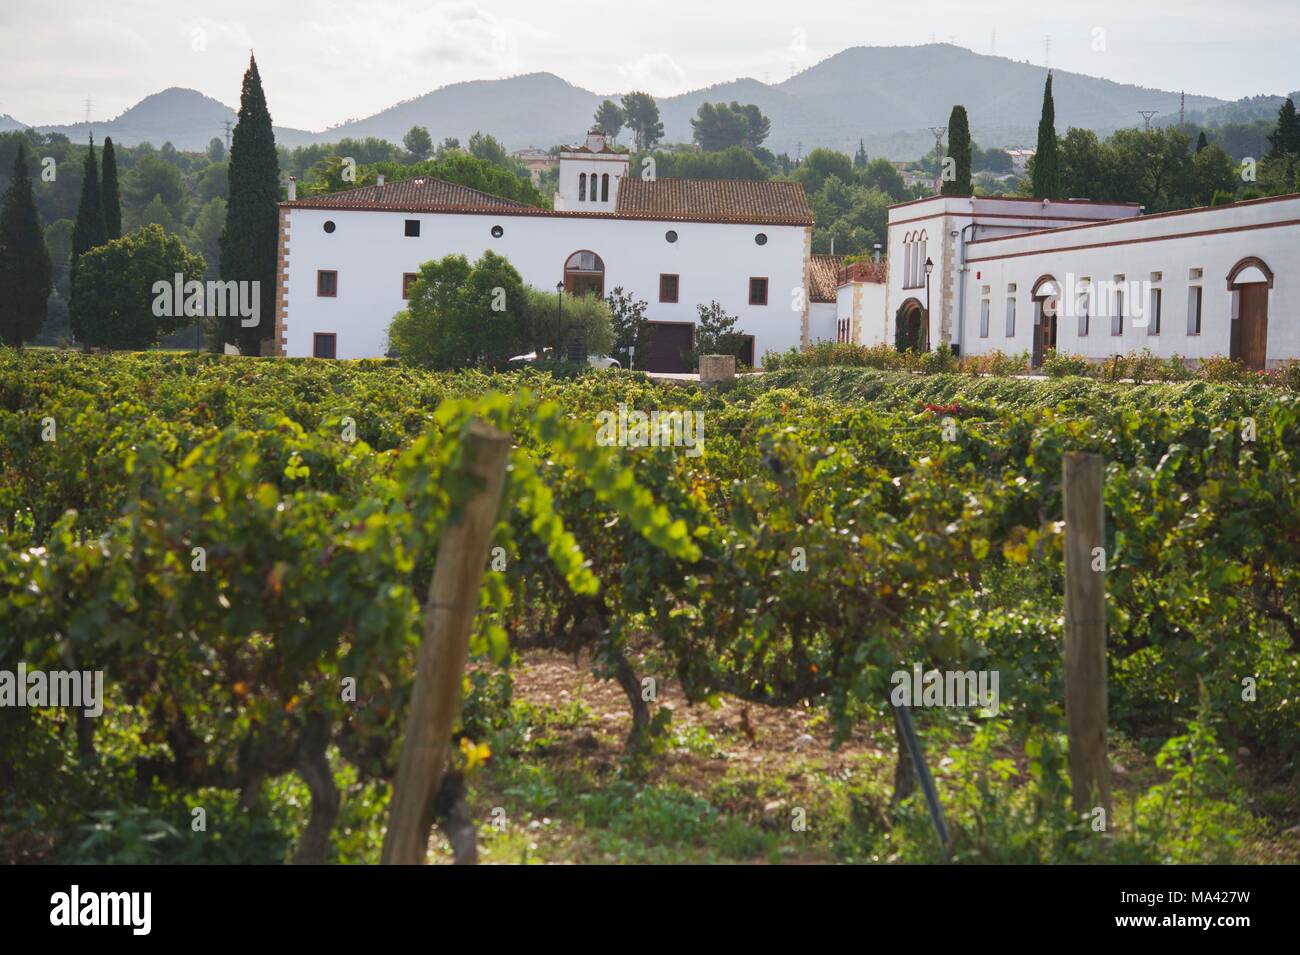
668 340
1250 334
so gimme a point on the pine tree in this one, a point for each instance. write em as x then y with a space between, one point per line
109 192
1286 138
1047 169
860 157
959 151
1201 141
26 278
249 242
90 229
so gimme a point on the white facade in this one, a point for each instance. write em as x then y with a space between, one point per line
1212 256
940 229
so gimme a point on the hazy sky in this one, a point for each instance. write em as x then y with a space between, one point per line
325 61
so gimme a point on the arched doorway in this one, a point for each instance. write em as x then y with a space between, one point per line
1046 296
911 330
584 272
1249 281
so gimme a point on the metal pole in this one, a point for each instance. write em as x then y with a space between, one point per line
904 716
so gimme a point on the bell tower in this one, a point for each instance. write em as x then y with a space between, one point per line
589 175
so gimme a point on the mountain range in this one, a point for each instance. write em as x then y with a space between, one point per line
886 96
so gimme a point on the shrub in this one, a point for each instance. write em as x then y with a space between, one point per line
1061 365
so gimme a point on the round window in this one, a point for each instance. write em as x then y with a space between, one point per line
497 232
760 239
329 225
670 235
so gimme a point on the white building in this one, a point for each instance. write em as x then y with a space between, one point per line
347 258
1097 279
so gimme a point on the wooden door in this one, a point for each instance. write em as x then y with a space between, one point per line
1250 336
668 340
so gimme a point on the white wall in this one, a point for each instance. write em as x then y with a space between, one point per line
572 165
370 252
1171 245
940 216
822 321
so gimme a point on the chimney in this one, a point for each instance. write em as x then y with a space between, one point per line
380 181
596 140
875 255
293 188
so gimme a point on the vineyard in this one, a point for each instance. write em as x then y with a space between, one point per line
674 653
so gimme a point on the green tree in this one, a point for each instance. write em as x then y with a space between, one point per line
485 146
90 230
216 149
860 157
152 177
109 192
959 151
1046 166
641 115
735 162
1284 146
820 164
1213 172
117 298
156 213
629 325
26 276
214 183
206 232
462 315
249 243
1201 141
609 118
718 126
418 143
716 333
1083 163
881 174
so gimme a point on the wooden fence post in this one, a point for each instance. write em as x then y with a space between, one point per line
1085 630
435 701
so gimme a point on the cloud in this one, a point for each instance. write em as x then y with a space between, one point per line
656 73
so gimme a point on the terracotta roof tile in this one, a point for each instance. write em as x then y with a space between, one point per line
715 200
823 277
875 272
423 194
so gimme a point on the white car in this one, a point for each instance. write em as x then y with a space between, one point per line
595 361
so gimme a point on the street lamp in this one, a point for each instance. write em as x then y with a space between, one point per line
559 312
925 332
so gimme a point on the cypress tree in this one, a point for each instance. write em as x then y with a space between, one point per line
1047 168
860 158
249 242
1286 137
26 278
90 229
1201 141
959 151
109 192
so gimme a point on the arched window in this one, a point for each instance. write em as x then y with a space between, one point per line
584 271
582 187
604 188
920 260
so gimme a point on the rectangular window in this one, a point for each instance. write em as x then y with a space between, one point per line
324 345
668 287
412 228
1194 310
1083 315
1153 320
327 284
758 291
1117 317
1011 315
408 279
984 318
